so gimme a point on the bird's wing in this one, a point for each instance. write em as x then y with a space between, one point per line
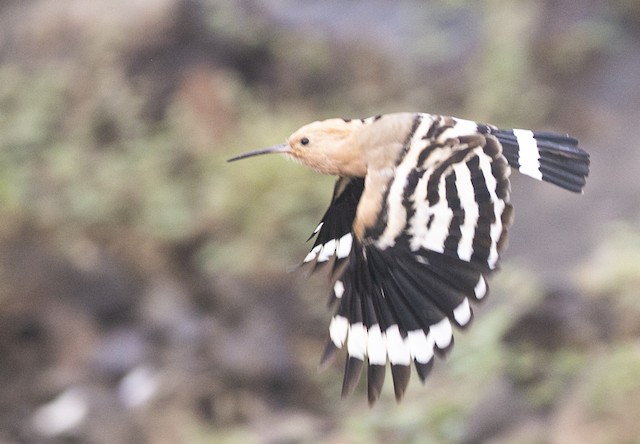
439 230
333 236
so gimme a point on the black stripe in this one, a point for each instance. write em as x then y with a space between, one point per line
432 184
375 381
400 374
429 297
338 219
453 201
352 372
409 191
444 123
565 163
393 290
561 139
426 152
455 272
406 146
482 237
478 181
431 131
562 162
483 128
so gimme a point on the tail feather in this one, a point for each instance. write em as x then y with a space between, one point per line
550 157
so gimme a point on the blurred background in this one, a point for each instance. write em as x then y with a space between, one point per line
144 291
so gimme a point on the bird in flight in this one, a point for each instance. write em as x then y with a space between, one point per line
418 219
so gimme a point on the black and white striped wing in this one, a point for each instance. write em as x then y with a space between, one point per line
333 236
441 227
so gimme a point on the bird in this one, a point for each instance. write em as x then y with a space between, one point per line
417 222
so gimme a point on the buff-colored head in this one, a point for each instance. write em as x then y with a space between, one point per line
329 146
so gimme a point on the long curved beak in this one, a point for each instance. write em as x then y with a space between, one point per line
282 148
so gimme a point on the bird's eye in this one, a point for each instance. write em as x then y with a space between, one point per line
304 141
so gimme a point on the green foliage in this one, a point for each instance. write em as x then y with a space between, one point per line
107 168
615 265
612 379
612 273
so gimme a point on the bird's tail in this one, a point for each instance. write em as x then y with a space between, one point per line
551 157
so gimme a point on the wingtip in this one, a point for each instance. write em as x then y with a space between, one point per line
424 369
442 352
400 375
352 372
375 381
328 356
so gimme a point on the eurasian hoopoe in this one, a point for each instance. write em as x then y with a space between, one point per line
418 218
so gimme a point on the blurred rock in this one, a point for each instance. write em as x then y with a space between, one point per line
257 349
100 283
165 305
54 28
500 409
139 386
119 351
603 404
546 348
107 421
63 415
258 346
564 318
288 427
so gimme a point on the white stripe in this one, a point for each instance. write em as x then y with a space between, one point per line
462 127
338 289
466 194
462 313
327 251
376 346
338 330
442 333
418 224
357 341
397 212
498 207
480 289
528 153
318 228
397 347
344 246
313 253
420 346
433 237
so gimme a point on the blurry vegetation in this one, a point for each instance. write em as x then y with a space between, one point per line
115 125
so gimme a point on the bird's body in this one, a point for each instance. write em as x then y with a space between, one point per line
418 219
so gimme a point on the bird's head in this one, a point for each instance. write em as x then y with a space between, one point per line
328 146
